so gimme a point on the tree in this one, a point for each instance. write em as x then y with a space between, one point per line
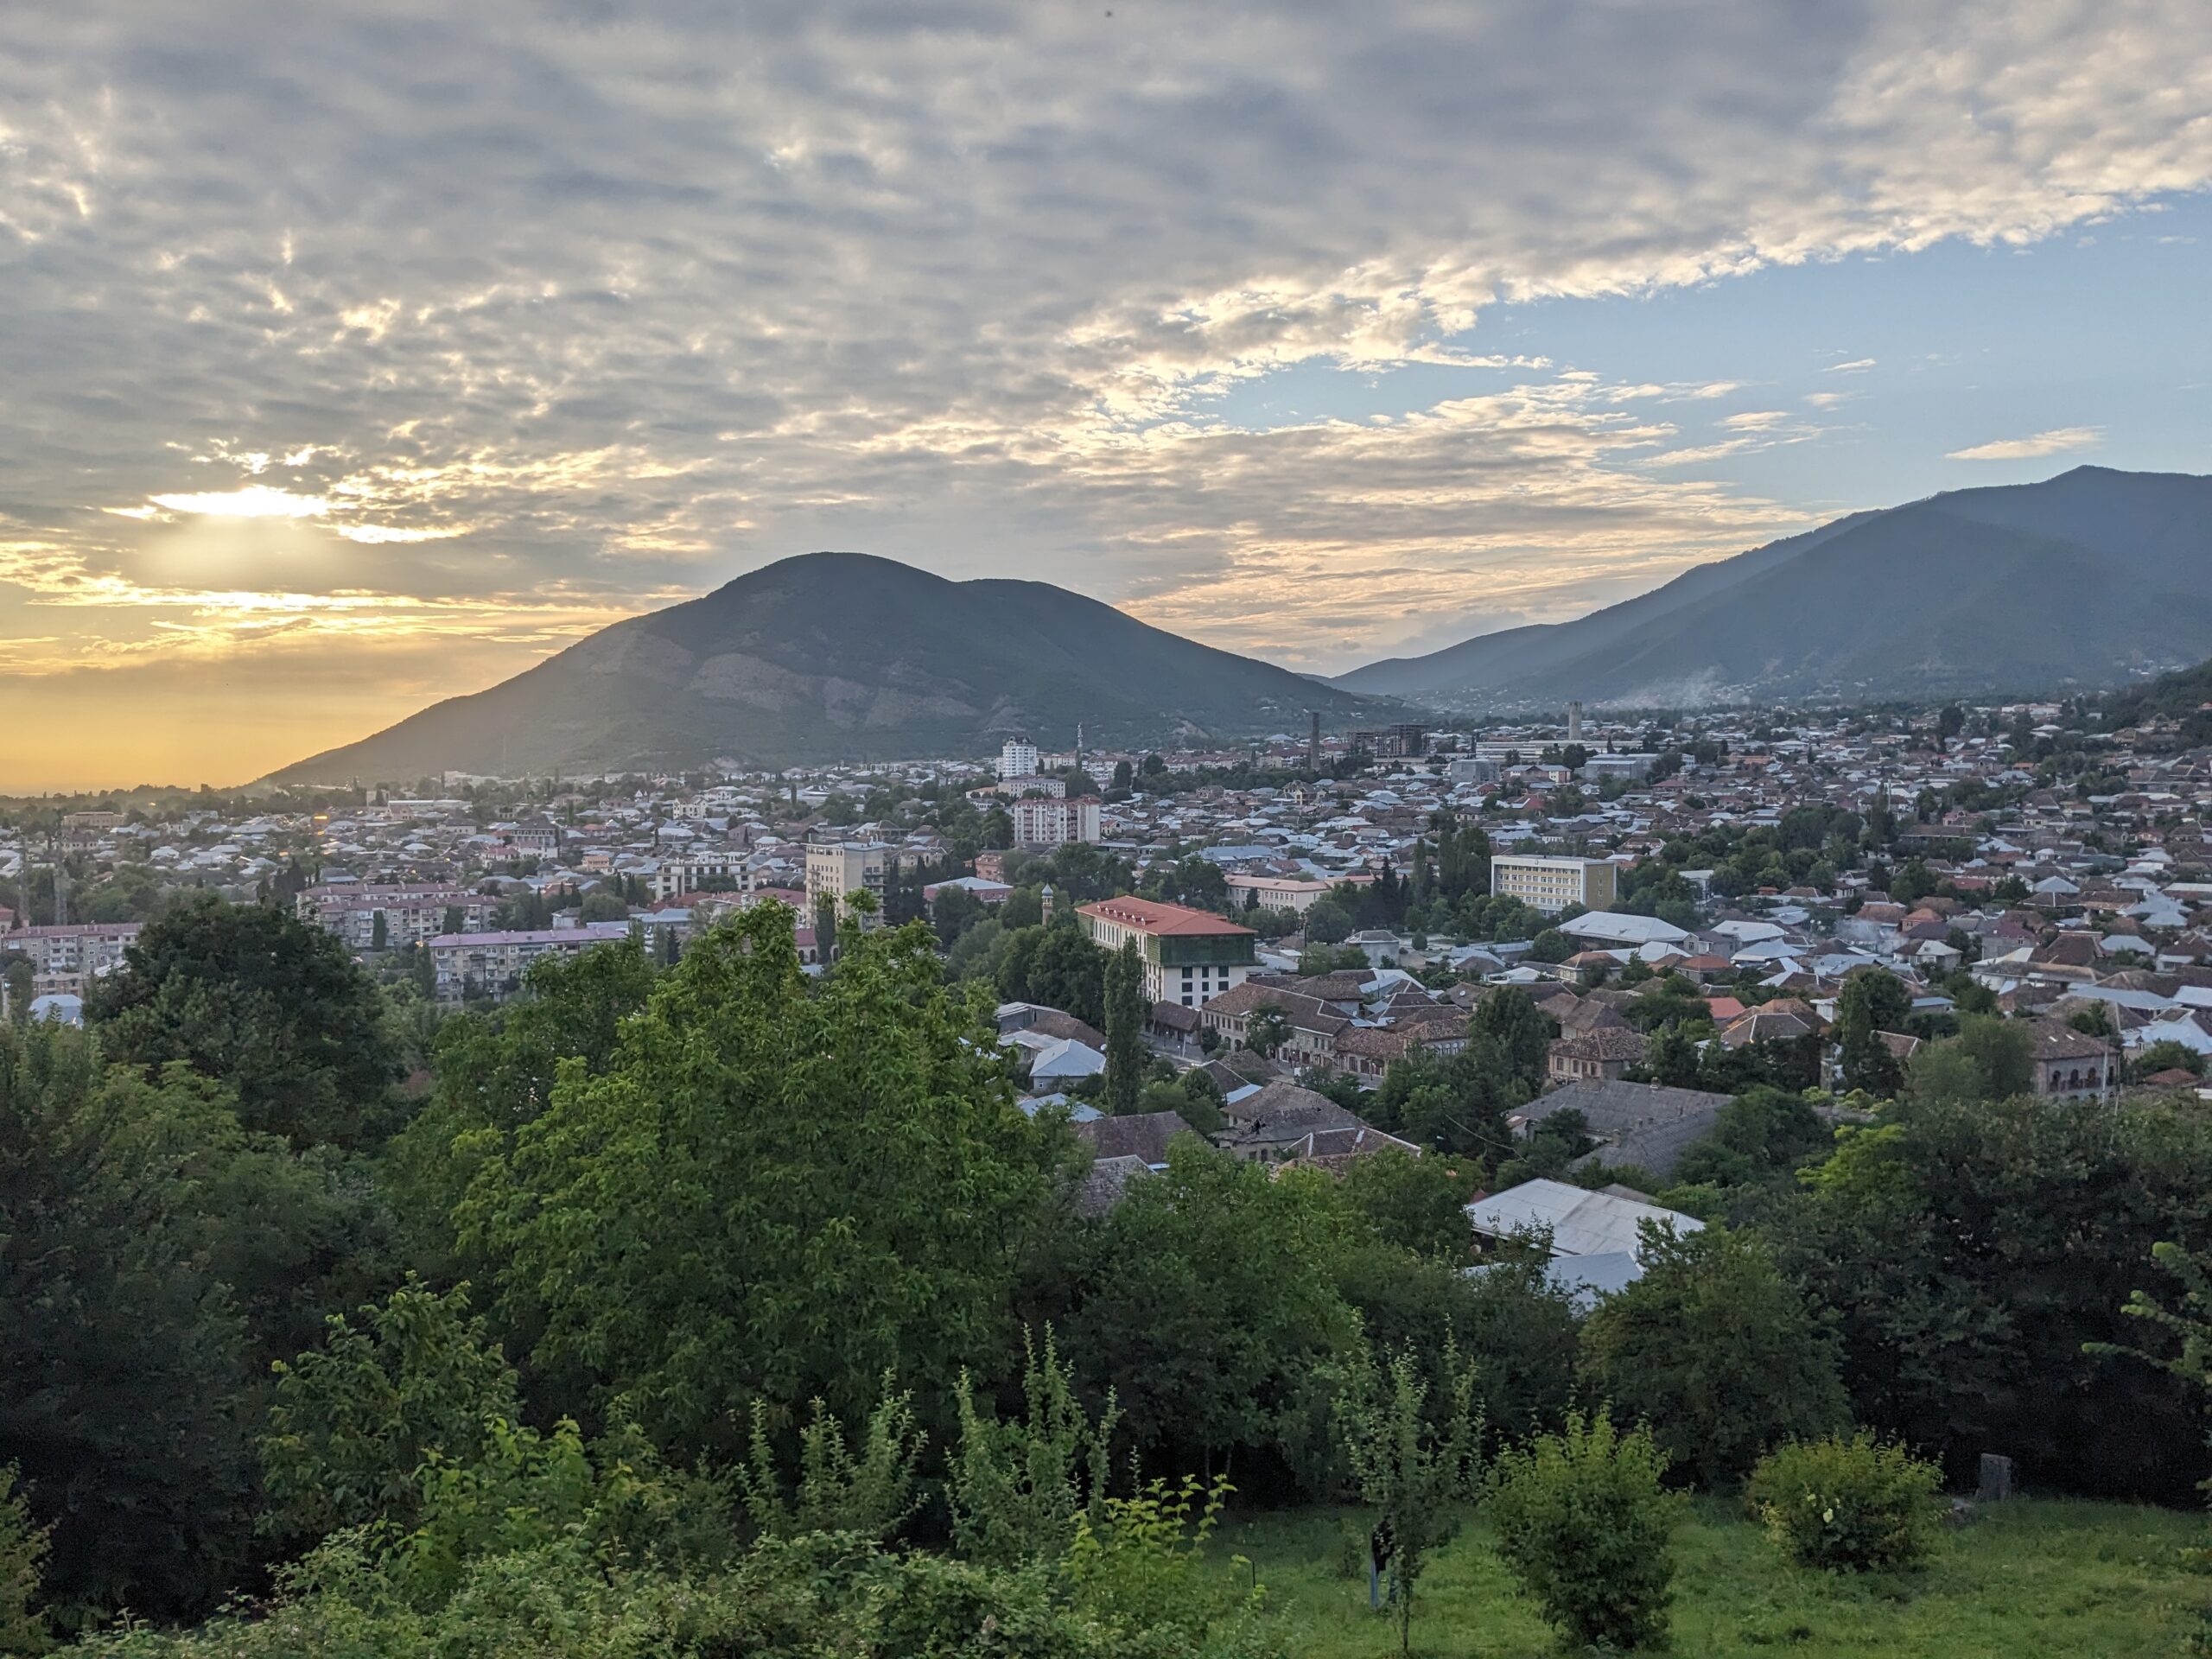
1414 1469
1551 945
1207 1300
353 1421
1327 922
1717 1349
751 1201
1125 1014
379 933
1519 1031
1124 776
2003 1051
1873 1001
602 905
1585 1524
261 1001
1965 1253
1266 1028
1414 1203
128 1385
22 1556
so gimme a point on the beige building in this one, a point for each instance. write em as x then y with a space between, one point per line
835 868
1277 892
1552 884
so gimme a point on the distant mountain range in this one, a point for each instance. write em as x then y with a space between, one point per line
843 656
2088 579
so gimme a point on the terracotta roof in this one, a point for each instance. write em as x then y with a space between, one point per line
1148 917
1603 1043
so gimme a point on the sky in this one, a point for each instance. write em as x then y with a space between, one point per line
356 355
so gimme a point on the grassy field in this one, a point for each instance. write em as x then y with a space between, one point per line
2026 1580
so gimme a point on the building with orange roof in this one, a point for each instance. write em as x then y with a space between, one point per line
1191 957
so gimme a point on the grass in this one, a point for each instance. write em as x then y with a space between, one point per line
2045 1580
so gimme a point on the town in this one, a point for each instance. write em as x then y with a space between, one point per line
1310 908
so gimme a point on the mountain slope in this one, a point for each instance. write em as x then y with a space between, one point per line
2087 578
841 655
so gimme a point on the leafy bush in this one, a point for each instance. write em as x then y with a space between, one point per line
22 1548
1848 1505
1017 1488
872 1494
1585 1524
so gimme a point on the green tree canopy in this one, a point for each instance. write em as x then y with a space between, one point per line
769 1192
256 999
1717 1349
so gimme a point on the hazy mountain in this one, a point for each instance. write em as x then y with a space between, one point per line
2090 578
839 656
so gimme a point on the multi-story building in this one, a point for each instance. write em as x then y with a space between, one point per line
1553 884
1290 892
1018 759
1190 956
493 965
411 914
1404 741
835 868
64 960
1049 823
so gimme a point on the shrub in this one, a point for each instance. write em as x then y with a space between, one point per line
1585 1524
1847 1505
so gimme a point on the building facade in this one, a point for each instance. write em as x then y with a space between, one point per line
65 960
1018 759
492 963
411 914
1405 741
1190 956
835 868
1055 823
1290 892
1552 884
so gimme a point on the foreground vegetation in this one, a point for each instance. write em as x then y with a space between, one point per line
2051 1579
713 1308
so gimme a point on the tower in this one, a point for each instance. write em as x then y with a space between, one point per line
1574 721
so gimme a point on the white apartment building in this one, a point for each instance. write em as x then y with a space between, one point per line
1552 884
1018 759
64 960
78 948
493 965
411 914
1054 824
835 868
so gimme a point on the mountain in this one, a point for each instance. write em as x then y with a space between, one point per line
2087 579
843 656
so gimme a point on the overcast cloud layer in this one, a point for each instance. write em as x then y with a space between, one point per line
352 354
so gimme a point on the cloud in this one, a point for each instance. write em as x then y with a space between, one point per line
1857 366
2056 442
254 501
646 300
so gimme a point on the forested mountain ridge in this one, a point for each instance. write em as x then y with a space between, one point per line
2075 582
833 657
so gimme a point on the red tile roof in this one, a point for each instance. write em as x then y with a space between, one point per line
1148 917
